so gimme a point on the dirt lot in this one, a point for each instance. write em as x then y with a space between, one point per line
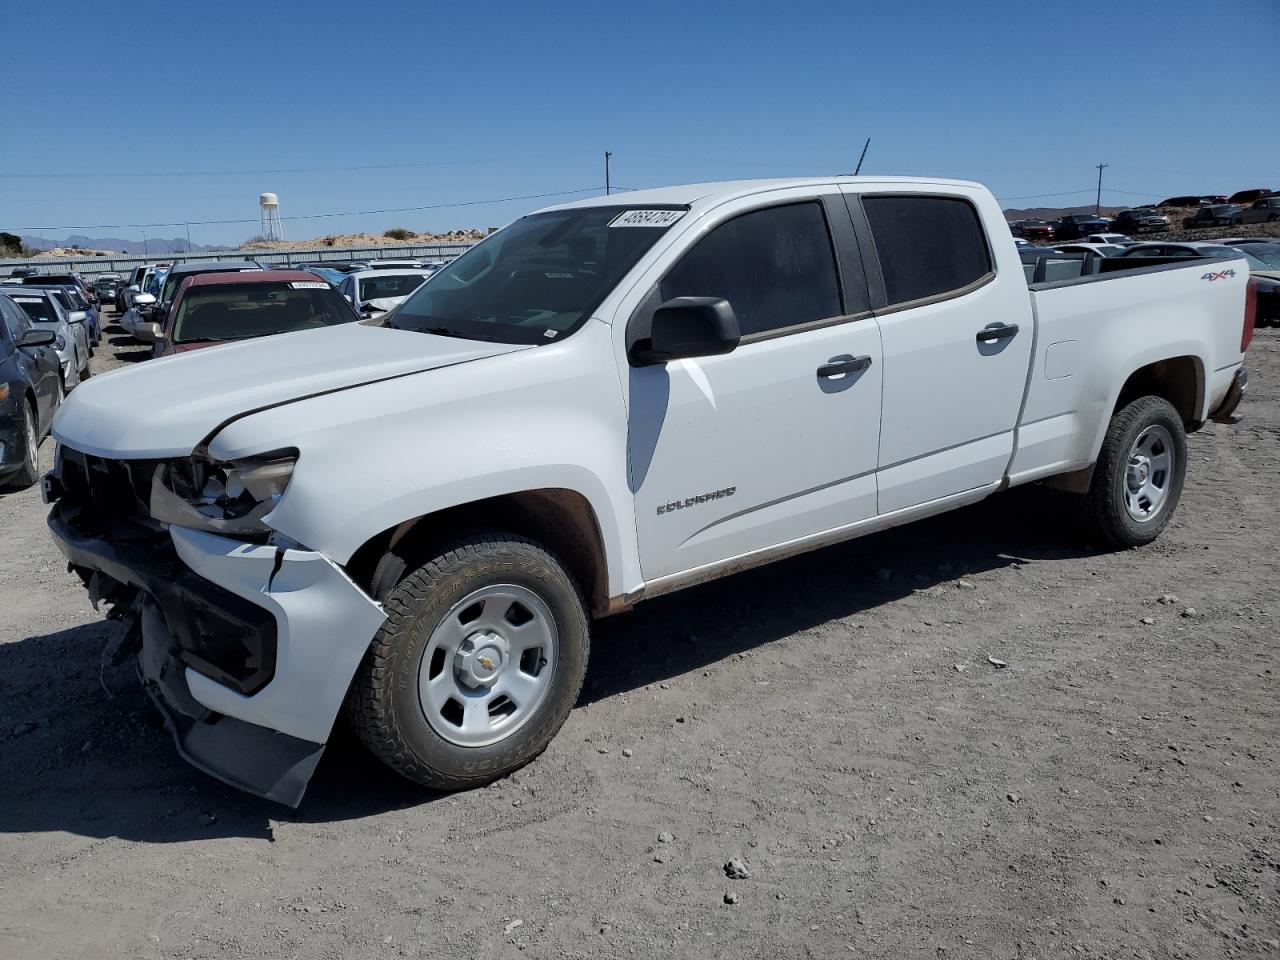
832 722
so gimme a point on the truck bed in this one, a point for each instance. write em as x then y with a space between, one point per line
1100 319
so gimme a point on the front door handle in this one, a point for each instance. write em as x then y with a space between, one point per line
1002 331
838 366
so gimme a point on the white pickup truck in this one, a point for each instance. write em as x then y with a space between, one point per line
419 518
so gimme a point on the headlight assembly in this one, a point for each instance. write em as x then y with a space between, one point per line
225 498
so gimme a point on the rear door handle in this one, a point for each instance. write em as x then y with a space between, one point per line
838 366
1002 332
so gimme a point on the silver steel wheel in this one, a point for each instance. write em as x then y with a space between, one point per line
488 665
1149 476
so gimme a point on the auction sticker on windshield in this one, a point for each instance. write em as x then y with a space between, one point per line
309 285
646 218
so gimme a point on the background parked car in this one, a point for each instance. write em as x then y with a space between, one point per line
1248 196
45 309
73 309
1218 215
1140 220
30 393
1075 226
1101 249
149 316
391 264
1265 210
374 292
105 286
22 271
81 310
217 308
1034 230
1188 201
137 284
62 280
1115 239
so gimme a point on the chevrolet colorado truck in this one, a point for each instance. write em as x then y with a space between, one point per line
415 520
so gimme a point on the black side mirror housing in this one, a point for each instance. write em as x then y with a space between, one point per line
37 338
688 327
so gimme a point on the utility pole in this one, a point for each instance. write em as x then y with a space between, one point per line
145 253
858 169
1097 207
188 239
607 155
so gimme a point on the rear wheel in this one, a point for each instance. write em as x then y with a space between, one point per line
1138 478
479 663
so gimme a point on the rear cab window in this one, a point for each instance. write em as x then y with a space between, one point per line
929 247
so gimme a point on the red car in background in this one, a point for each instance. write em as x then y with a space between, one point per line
1033 230
213 308
1243 197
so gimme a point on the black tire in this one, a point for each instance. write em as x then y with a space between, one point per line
28 471
384 706
1105 511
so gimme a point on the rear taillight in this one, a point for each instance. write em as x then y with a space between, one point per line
1250 313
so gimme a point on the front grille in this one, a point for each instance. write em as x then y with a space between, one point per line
109 496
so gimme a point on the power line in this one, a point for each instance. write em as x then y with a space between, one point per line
231 173
317 216
1037 196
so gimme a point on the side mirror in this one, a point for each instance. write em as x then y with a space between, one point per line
149 332
144 300
349 299
37 338
688 327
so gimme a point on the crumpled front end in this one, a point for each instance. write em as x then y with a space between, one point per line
247 647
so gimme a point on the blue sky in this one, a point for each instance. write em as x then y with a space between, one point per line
444 103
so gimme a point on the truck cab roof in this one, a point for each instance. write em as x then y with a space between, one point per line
702 195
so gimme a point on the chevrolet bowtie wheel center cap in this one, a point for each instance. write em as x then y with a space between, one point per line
480 659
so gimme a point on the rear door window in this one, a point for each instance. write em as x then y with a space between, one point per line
928 247
776 267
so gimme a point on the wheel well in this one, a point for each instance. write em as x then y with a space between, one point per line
560 520
1177 379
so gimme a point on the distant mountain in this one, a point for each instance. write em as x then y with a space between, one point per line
1053 213
153 245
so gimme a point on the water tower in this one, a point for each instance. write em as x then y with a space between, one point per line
270 205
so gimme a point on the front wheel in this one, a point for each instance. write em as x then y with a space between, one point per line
477 666
1137 480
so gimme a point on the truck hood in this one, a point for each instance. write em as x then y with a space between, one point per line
166 407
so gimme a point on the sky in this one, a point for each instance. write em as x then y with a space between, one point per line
140 113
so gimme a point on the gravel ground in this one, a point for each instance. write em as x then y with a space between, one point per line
835 724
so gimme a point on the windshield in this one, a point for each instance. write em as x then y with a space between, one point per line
537 279
244 310
378 288
37 308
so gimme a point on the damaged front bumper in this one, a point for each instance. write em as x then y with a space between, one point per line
248 649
